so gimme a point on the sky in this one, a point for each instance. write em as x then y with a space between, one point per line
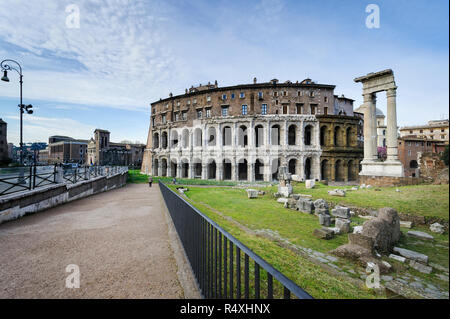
129 53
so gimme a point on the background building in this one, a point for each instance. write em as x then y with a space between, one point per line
434 130
64 149
4 154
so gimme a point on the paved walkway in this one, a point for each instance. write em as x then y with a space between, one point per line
119 240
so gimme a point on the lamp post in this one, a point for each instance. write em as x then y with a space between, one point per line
6 66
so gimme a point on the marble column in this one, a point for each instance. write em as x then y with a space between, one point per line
391 140
370 128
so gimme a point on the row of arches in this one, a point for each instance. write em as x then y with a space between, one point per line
339 170
259 170
337 136
242 138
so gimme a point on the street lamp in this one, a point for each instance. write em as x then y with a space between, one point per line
5 66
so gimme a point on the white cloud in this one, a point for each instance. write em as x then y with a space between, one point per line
38 129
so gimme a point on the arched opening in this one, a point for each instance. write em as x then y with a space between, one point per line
292 166
226 169
323 136
337 136
156 140
275 134
308 168
174 138
325 170
184 169
413 164
275 167
212 169
348 135
292 131
242 136
259 170
185 138
242 169
164 139
198 137
155 167
226 136
337 171
308 135
259 135
173 168
164 167
197 168
351 176
212 136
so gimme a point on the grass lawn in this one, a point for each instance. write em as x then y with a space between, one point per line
265 213
420 200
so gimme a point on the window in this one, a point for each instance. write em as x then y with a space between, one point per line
177 117
325 99
260 95
285 93
443 137
421 131
178 103
184 115
325 110
188 102
163 118
208 112
285 109
208 98
299 108
275 93
264 109
442 130
199 114
224 97
232 95
153 121
410 132
409 152
311 93
195 101
244 109
276 102
225 111
431 131
242 95
313 108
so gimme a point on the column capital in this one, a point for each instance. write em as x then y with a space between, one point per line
369 97
392 92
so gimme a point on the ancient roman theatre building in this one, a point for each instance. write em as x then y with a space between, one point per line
246 132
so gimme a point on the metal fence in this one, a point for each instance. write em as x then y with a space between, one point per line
13 180
222 265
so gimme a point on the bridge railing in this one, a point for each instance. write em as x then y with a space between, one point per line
32 177
222 265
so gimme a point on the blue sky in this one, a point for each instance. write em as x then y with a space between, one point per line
128 53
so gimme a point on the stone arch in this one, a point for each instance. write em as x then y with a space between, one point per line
351 172
338 176
164 140
308 166
242 169
259 135
337 136
325 170
348 136
173 167
184 168
275 165
226 136
413 164
275 135
324 135
156 140
174 138
164 167
243 136
292 166
212 137
227 169
198 137
156 167
197 168
212 168
259 170
292 132
308 137
185 138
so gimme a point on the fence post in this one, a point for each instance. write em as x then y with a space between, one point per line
31 175
59 174
34 175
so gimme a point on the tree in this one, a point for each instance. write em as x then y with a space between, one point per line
445 155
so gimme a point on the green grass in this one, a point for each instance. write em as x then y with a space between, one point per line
430 201
265 213
134 176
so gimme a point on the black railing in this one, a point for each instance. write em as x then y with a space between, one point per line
216 257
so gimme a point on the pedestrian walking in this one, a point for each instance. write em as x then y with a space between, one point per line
174 180
150 181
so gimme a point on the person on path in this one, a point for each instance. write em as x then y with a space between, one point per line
150 181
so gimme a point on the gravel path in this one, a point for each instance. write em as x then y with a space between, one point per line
119 239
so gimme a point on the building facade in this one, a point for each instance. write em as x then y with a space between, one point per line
243 132
435 130
64 149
